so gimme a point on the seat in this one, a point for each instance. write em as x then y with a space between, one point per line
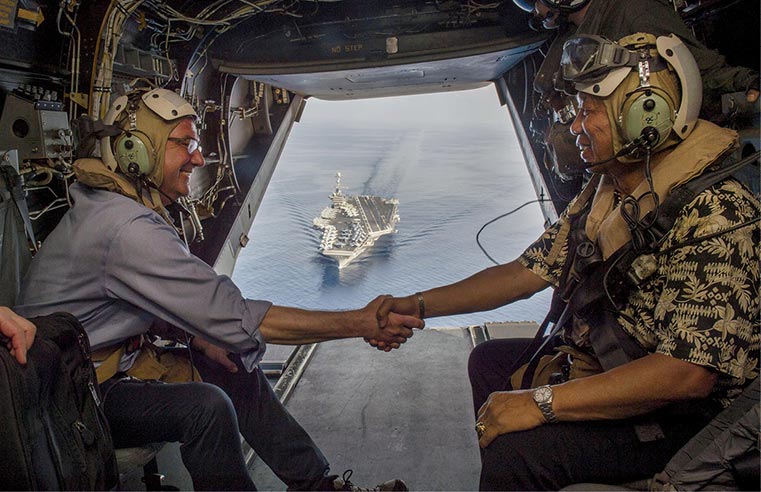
127 459
724 455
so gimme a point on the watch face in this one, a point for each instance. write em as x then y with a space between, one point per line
543 394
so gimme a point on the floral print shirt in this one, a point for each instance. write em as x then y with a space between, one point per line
702 303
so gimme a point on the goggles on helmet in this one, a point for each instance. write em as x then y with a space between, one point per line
590 58
597 65
566 6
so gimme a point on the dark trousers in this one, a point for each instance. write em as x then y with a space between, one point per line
207 418
551 457
490 367
267 426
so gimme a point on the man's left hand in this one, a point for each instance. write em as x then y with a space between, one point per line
215 353
508 411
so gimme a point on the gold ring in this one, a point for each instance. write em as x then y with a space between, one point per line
480 429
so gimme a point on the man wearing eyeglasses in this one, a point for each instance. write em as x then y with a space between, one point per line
117 262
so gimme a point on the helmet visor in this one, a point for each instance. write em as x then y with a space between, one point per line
591 58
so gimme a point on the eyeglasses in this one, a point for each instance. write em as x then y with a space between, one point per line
190 143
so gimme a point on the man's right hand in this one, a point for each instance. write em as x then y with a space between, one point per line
396 329
19 331
215 353
400 305
388 309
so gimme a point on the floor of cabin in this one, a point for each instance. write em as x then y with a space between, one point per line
405 414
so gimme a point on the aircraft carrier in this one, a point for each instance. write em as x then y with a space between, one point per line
351 224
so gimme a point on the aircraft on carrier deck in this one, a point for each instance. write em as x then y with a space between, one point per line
249 68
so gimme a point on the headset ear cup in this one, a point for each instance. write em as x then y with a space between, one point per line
647 114
133 154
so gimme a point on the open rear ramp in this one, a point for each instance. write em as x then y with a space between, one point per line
405 414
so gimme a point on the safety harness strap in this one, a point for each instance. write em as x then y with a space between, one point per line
558 314
14 186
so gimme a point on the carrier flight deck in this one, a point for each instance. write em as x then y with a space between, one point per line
351 224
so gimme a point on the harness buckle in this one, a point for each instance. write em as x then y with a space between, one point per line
586 249
642 268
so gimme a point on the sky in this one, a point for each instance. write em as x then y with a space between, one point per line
474 108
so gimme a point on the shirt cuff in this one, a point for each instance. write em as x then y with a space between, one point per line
252 358
538 269
254 313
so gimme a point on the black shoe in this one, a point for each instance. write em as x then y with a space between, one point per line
396 485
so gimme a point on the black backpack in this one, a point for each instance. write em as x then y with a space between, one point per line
54 435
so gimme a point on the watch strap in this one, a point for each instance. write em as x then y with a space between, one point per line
546 407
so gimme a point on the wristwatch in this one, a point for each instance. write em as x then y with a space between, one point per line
543 399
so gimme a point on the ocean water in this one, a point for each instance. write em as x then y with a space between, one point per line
448 183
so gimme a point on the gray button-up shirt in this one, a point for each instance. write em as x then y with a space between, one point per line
116 265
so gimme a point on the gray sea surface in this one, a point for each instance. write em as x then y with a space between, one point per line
448 183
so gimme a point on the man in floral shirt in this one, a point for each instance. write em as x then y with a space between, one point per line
693 316
700 305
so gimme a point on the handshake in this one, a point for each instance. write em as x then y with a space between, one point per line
386 323
390 320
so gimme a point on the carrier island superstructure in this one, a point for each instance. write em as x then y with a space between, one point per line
352 223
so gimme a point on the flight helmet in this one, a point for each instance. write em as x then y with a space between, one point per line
650 86
147 118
